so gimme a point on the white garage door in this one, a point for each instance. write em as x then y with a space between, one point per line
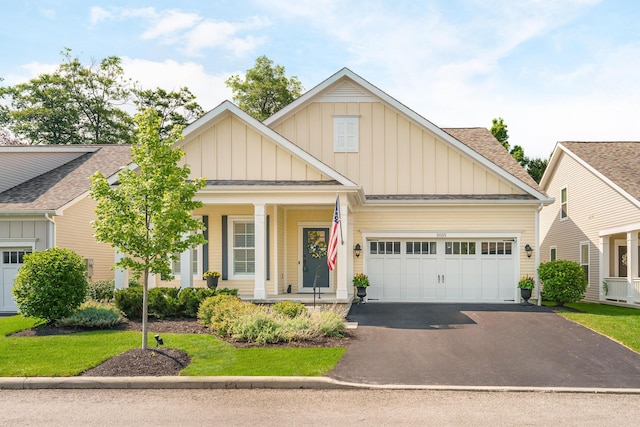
11 260
441 270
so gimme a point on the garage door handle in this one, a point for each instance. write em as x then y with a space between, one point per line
438 278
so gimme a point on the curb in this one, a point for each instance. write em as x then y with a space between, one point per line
246 383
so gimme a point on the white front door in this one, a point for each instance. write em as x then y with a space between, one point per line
11 260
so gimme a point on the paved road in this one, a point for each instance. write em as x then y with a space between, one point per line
482 345
124 408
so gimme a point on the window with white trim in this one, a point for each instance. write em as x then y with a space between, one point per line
196 263
553 253
563 203
584 258
345 134
242 245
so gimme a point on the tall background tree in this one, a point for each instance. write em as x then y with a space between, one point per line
535 167
148 216
265 89
79 104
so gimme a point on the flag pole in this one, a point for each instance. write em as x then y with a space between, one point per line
340 223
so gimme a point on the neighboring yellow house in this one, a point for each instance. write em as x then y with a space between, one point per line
438 215
595 219
44 203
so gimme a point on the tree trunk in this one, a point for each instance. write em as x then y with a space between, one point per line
145 293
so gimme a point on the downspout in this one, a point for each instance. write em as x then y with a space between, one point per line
51 235
537 252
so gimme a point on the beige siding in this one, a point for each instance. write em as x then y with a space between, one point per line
74 231
396 156
231 150
592 206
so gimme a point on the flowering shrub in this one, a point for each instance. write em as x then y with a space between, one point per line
360 280
526 282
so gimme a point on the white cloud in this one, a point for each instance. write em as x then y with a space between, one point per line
209 89
169 22
28 72
98 14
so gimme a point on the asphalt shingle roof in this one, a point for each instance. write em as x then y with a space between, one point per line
618 161
484 143
53 189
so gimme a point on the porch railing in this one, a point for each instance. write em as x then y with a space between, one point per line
618 289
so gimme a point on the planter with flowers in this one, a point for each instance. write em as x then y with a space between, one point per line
526 285
212 279
361 281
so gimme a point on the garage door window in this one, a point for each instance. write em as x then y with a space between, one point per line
14 257
381 248
460 248
497 248
421 248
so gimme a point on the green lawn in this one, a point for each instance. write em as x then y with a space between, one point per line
68 355
620 323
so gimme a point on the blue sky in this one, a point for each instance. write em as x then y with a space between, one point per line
555 70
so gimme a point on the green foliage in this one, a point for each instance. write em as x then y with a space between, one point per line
190 300
499 131
92 314
265 89
526 282
563 281
80 104
51 284
149 214
536 168
101 290
360 280
163 303
289 308
129 301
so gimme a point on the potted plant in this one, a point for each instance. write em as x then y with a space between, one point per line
526 285
361 281
212 278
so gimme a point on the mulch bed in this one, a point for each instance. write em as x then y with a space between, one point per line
162 361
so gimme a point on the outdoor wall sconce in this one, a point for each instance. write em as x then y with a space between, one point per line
528 249
357 249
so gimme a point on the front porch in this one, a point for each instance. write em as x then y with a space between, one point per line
620 266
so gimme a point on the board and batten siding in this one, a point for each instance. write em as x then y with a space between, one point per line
592 206
232 150
459 219
74 231
395 155
26 230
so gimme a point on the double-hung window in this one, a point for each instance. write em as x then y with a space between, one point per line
563 204
243 260
584 258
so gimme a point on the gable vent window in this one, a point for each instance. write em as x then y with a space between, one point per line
345 134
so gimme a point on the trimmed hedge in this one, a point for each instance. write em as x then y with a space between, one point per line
51 284
563 281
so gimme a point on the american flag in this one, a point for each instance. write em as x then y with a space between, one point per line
332 247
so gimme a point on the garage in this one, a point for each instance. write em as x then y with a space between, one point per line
11 259
441 270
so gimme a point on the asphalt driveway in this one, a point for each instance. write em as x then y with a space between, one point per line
481 345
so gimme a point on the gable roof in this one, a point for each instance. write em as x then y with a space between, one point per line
470 141
616 163
227 107
55 188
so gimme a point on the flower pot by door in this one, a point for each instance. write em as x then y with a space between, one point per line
362 293
212 282
525 294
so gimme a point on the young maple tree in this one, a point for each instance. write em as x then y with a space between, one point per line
147 214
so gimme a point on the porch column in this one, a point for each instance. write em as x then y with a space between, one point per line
603 263
632 263
186 276
260 287
344 252
120 276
